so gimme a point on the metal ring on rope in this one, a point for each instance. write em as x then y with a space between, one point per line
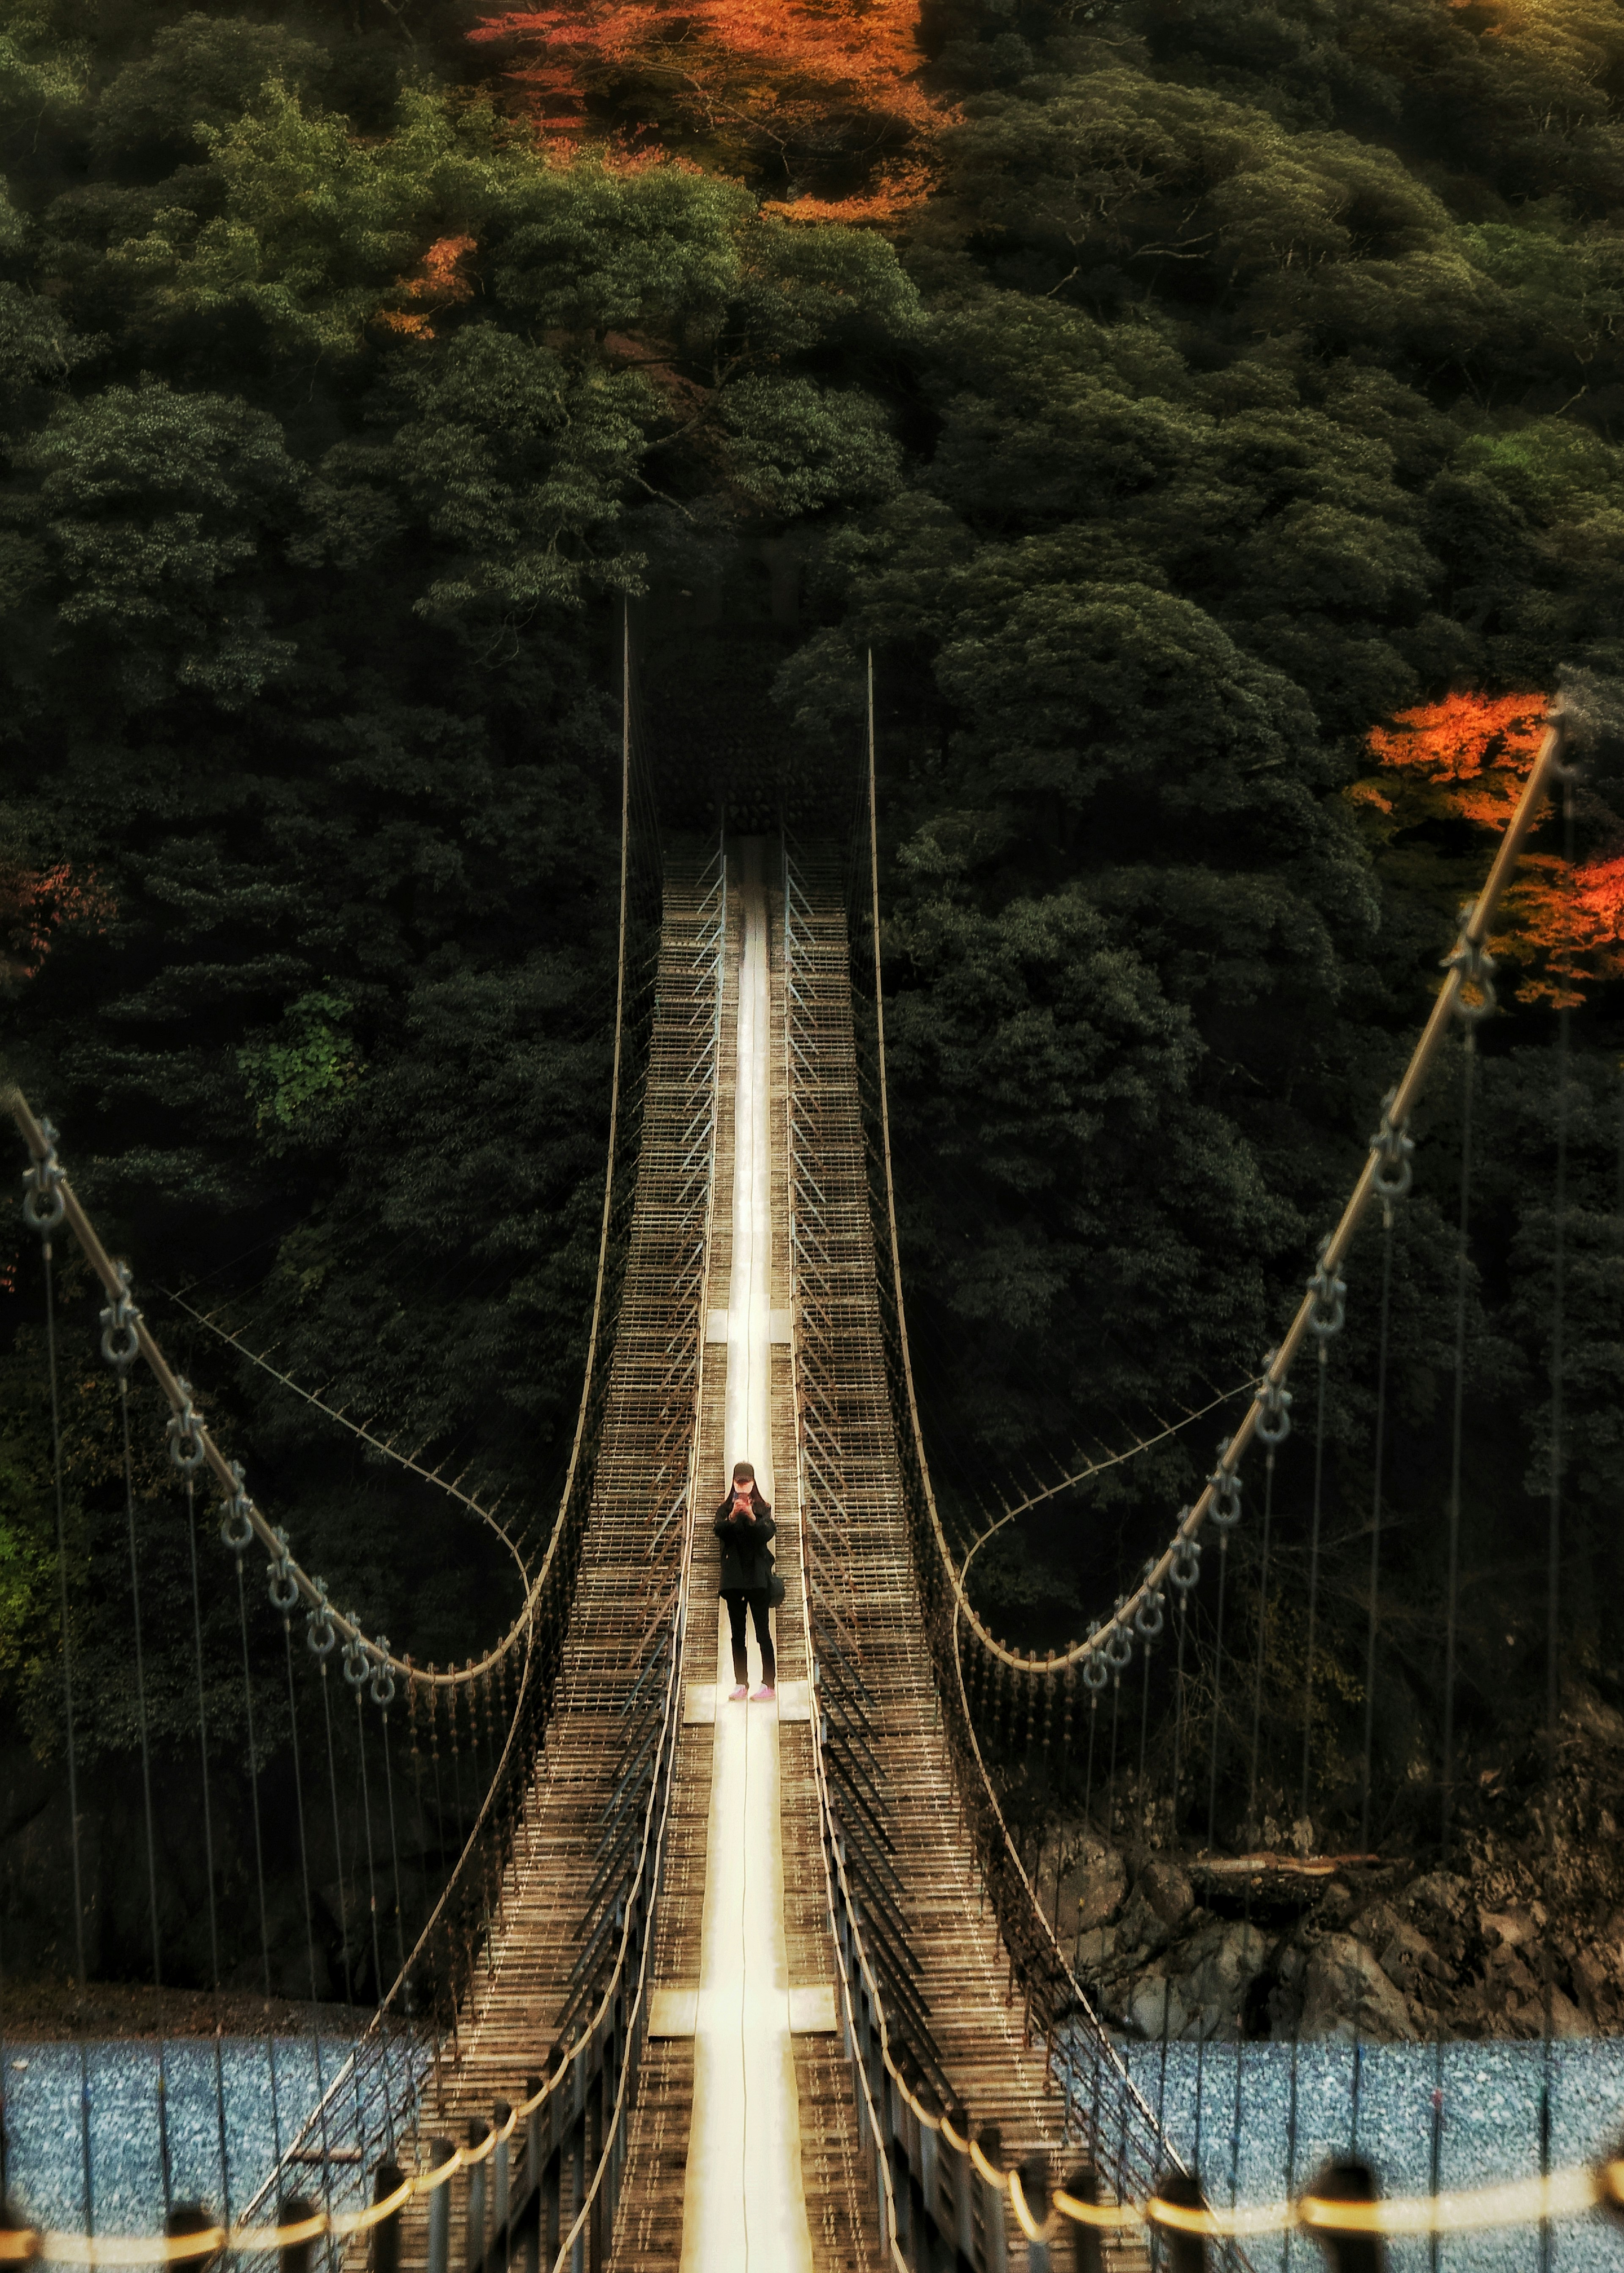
1475 966
1329 1290
321 1634
381 1689
1186 1567
1225 1512
284 1587
237 1529
121 1340
1393 1171
43 1204
185 1431
357 1662
1275 1414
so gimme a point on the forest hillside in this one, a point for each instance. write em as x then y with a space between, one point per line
1210 415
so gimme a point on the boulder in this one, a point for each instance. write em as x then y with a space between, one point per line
1094 1952
1220 1964
1441 1891
1155 2005
1092 1887
1509 1928
1167 1892
1347 1994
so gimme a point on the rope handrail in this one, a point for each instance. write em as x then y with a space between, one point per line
1462 969
1569 2193
1092 1468
48 1177
385 1445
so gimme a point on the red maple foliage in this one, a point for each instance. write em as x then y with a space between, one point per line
821 93
438 281
37 903
1468 758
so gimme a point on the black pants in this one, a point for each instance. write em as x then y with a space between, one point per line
756 1597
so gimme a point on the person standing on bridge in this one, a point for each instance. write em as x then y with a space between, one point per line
744 1525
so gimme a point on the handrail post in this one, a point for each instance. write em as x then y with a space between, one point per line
293 2256
1035 2187
1349 2179
387 2179
995 2203
535 2162
1186 2253
478 2176
440 2152
502 2207
1083 2186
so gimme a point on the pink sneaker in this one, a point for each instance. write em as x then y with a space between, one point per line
764 1695
737 1695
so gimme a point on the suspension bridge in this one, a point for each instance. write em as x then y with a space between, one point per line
762 1983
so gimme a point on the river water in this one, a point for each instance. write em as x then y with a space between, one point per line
264 2091
230 2107
1491 2110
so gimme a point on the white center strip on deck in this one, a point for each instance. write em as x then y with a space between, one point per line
744 2211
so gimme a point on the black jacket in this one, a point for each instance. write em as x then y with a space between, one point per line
746 1559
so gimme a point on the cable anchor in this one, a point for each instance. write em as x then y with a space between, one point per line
1095 1674
187 1448
1329 1290
1119 1642
1148 1619
1186 1566
120 1341
283 1585
355 1659
320 1631
237 1529
382 1687
1395 1171
1475 966
1273 1407
44 1204
1225 1485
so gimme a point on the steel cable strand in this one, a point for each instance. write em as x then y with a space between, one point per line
550 1586
44 1165
43 1207
915 1459
1553 1568
1473 929
115 1342
1462 968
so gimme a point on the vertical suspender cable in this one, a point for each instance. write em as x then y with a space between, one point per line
309 1923
140 1676
253 1789
338 1851
1374 1625
183 1448
1558 1270
1469 1072
67 1632
208 1816
1313 1579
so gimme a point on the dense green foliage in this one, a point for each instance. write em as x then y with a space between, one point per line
1252 375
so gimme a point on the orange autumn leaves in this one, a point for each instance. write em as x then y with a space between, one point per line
819 100
36 904
1466 759
438 281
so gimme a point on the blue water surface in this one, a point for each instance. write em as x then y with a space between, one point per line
232 2107
1491 2132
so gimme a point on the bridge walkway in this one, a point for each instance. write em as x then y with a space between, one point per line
676 2206
539 1944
